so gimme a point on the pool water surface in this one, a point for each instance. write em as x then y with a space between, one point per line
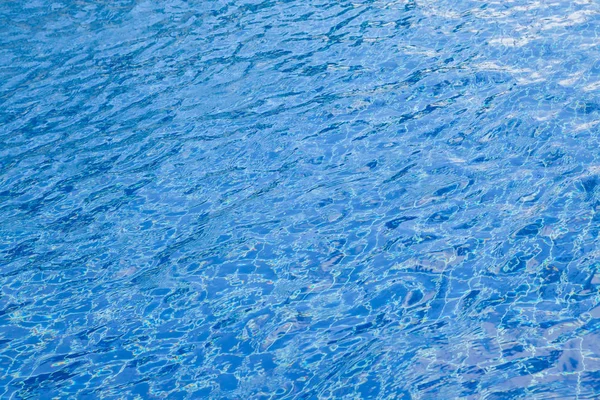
287 199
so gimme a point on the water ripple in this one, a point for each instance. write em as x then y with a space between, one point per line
299 200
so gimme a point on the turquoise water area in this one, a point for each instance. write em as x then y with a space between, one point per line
287 199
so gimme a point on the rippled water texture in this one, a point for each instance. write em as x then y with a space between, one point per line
299 199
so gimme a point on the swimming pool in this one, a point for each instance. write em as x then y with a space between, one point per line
299 200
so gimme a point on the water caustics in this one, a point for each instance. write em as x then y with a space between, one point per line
299 199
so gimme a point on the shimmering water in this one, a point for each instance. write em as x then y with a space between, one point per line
299 199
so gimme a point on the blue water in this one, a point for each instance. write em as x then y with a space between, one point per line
299 199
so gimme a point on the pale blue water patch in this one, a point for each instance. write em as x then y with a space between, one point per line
299 199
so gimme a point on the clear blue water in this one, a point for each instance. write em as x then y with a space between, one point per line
299 199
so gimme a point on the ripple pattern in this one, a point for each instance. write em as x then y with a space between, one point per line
282 199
